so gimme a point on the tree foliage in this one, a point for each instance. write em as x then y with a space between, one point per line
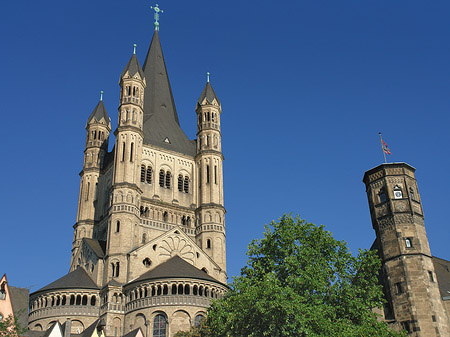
300 281
10 327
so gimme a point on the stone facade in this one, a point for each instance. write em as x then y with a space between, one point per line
408 273
149 241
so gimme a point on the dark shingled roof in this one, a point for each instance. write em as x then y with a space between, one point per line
209 94
175 267
132 333
133 67
99 112
442 269
99 247
161 124
78 279
19 300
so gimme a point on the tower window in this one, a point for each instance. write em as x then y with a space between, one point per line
115 267
207 174
161 178
406 326
399 288
168 179
208 243
87 191
144 238
149 175
165 216
412 194
430 274
180 183
142 173
123 151
117 226
215 174
408 243
131 152
186 184
382 195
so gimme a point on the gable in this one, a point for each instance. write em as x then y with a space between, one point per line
172 243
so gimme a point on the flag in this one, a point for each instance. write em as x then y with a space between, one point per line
385 147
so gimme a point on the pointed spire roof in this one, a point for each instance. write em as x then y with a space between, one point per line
209 94
161 124
99 113
133 67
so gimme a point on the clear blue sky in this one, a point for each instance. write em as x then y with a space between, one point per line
305 88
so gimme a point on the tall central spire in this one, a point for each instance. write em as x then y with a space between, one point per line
161 124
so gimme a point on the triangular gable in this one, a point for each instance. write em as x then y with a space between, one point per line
55 330
135 333
6 307
171 243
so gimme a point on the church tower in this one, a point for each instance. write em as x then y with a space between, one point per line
98 127
408 273
149 241
210 229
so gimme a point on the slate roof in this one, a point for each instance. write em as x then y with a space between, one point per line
133 67
98 247
209 94
99 112
19 301
161 124
78 279
175 267
442 269
132 333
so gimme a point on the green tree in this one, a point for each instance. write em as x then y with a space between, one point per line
300 281
10 327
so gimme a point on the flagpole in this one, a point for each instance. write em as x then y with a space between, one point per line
384 153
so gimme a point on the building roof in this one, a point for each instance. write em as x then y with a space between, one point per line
442 269
99 113
78 279
175 267
98 247
209 94
19 301
133 67
134 333
161 124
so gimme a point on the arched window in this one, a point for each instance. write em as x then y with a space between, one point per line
168 179
123 151
412 194
142 173
93 300
149 175
165 290
131 152
188 221
85 300
382 195
72 299
208 244
174 289
159 326
117 226
207 174
408 243
180 183
198 320
195 290
144 238
187 289
186 184
161 178
63 300
165 216
78 301
183 220
215 174
115 269
180 289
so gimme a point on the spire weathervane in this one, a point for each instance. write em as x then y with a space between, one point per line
156 16
207 77
101 95
134 48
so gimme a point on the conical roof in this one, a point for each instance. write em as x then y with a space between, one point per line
133 67
78 279
99 113
175 267
161 124
209 94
